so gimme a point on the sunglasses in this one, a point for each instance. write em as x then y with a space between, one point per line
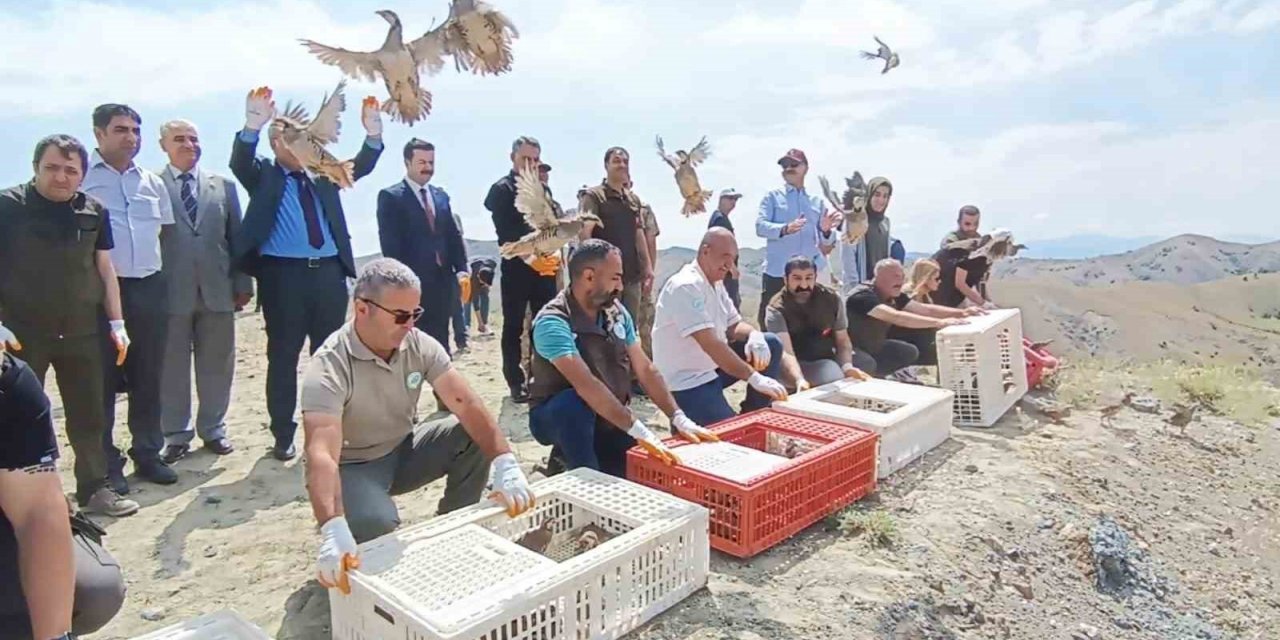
789 164
400 317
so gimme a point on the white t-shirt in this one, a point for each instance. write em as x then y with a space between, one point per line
688 304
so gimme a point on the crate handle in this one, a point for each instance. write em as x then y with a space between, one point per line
382 613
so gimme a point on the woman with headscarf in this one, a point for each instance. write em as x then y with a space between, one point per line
859 259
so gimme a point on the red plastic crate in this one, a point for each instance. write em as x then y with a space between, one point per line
747 518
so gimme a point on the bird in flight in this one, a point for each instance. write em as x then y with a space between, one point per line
695 197
307 138
884 53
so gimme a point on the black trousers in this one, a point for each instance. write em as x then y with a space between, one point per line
302 299
145 302
99 591
905 347
74 361
439 299
769 286
522 288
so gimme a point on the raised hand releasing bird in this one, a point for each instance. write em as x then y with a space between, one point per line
695 198
884 53
476 35
306 138
549 232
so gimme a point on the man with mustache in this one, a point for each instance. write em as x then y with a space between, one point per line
810 320
585 354
794 223
702 346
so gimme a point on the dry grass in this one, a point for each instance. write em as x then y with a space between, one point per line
877 527
1234 392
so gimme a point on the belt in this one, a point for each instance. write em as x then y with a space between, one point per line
311 263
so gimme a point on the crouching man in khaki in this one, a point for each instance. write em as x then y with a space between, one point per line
359 414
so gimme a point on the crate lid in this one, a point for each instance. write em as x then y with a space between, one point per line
447 579
729 461
221 625
979 324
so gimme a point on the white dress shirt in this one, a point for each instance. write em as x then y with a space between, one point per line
139 205
687 304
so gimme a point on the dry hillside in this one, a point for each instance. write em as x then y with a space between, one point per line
1186 259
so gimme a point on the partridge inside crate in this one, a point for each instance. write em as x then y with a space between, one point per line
223 625
760 500
911 419
983 363
477 574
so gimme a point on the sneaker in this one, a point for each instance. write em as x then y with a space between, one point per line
174 452
284 452
107 502
906 375
155 471
519 395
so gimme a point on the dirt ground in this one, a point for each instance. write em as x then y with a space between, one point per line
1003 533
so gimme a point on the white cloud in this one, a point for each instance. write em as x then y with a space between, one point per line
1260 18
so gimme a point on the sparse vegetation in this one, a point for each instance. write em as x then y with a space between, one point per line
1234 392
876 527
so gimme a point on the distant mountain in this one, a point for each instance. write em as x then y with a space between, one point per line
1082 246
1186 259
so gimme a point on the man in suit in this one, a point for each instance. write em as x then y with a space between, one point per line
416 226
204 294
294 240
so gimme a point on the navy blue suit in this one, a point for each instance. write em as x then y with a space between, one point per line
436 256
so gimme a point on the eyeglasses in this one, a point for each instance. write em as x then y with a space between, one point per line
400 317
790 164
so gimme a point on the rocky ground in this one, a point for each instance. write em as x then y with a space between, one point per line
1026 530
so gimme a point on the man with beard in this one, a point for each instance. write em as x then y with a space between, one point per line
859 259
621 224
585 353
963 278
139 206
810 320
794 223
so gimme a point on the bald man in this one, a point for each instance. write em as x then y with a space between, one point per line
701 346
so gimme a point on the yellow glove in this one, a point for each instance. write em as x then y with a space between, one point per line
465 284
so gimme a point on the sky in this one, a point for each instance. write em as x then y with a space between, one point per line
1055 117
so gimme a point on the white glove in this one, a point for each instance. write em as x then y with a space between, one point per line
989 305
689 430
338 554
8 339
509 485
371 117
757 351
120 336
768 386
650 442
259 109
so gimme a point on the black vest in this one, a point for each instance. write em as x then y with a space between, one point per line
620 218
601 348
810 325
49 280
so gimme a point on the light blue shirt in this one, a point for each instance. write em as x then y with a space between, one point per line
552 337
288 238
780 207
139 205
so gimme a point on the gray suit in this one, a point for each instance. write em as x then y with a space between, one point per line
202 290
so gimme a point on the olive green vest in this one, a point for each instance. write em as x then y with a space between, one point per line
811 325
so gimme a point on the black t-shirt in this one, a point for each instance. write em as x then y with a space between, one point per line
868 333
508 222
26 418
950 260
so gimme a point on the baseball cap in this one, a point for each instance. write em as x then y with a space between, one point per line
730 193
544 167
795 154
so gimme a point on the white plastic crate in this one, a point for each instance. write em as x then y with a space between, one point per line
911 419
464 576
223 625
983 363
730 461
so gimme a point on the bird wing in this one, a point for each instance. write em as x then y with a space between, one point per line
884 52
868 55
700 152
662 153
328 123
429 49
532 200
831 195
357 64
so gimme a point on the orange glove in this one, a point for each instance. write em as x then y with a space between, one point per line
465 284
546 265
650 443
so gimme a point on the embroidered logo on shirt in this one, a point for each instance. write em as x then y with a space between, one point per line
414 380
620 331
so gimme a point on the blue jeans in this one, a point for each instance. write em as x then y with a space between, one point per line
480 302
705 404
566 422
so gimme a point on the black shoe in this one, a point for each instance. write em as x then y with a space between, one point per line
174 452
115 477
220 446
155 471
519 395
284 452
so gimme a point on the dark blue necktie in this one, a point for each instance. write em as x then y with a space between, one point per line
188 198
309 213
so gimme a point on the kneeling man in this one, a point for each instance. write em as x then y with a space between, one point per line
585 352
810 320
702 346
363 443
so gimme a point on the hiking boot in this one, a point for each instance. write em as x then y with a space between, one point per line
107 502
